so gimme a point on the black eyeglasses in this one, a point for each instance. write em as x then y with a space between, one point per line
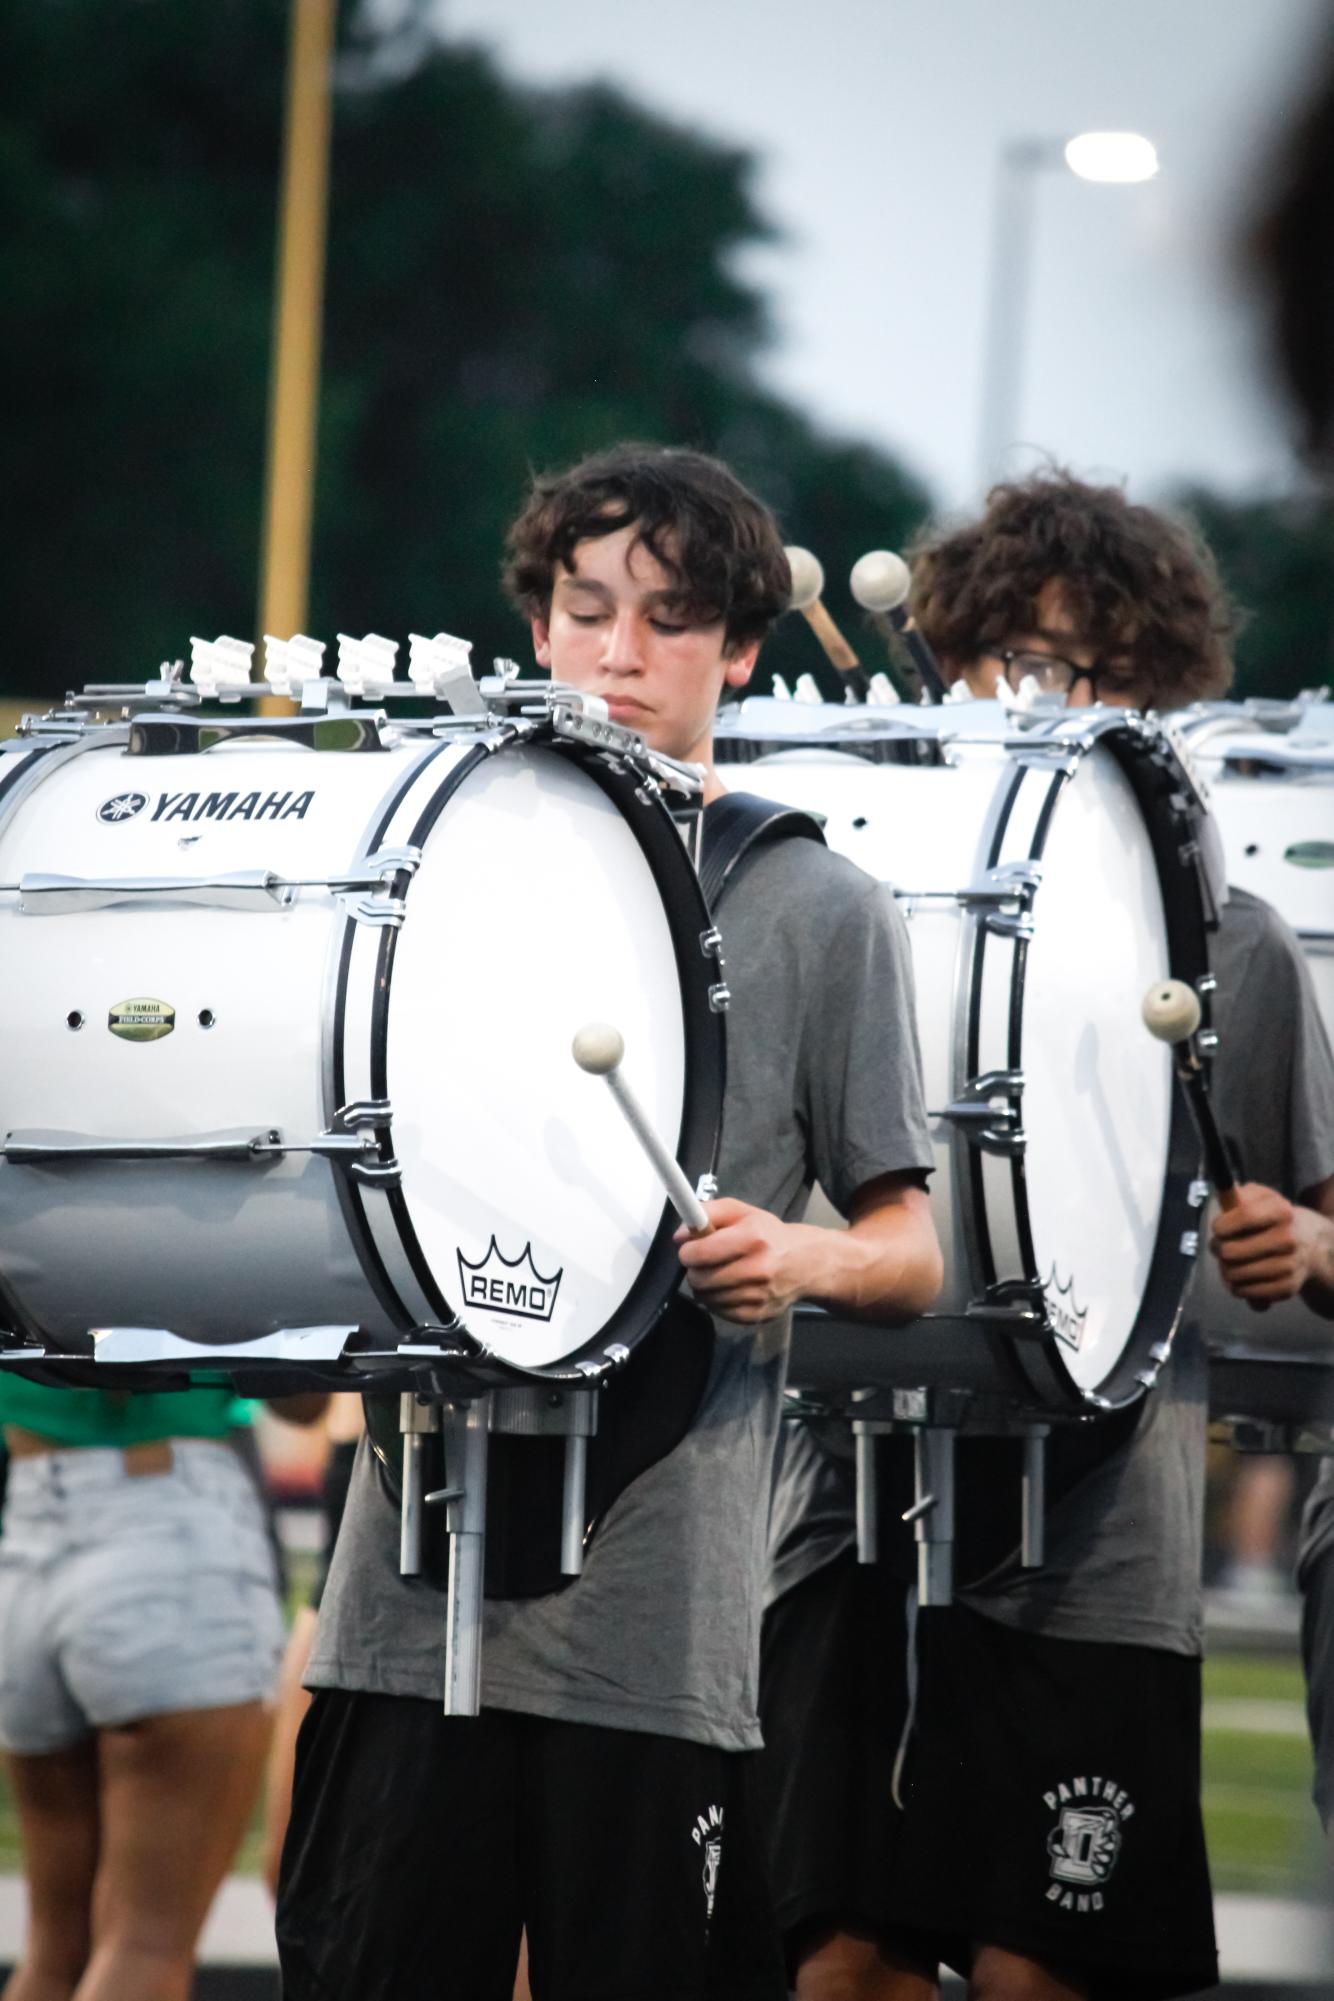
1055 675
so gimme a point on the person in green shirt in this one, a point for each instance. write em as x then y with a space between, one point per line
140 1635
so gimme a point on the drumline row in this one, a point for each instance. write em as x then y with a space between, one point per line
427 1193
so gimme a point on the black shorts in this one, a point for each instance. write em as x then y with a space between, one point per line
833 1705
421 1845
1052 1807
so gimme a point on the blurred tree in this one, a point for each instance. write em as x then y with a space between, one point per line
1277 559
514 278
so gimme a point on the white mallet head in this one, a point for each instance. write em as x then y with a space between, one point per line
598 1048
880 580
807 578
1171 1010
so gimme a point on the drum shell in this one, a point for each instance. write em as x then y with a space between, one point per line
1267 820
954 819
263 977
279 1013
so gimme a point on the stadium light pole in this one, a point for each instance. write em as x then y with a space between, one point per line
1109 157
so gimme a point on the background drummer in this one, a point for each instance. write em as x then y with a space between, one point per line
1292 248
1072 1689
599 1798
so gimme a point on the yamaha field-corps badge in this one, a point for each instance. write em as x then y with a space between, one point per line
141 1020
1084 1845
1067 1317
123 807
508 1286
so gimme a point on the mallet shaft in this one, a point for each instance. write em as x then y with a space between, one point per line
679 1192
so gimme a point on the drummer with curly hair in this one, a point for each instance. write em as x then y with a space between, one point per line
600 1798
1023 1803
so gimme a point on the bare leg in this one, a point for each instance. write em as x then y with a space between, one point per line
848 1967
293 1702
1261 1498
1007 1976
522 1991
176 1793
58 1816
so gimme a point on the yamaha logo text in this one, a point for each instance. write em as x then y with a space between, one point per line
196 806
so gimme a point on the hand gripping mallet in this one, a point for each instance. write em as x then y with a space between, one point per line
880 582
599 1048
806 597
1171 1011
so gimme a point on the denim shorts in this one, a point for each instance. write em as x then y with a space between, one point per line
127 1595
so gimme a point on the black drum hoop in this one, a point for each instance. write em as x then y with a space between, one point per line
1148 763
689 922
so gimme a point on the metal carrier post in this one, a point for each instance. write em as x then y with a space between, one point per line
936 1419
868 1493
555 1411
932 1512
416 1421
528 1412
1033 1523
466 1429
865 1432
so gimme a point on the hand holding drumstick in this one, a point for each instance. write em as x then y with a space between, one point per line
732 1253
1268 1249
747 1265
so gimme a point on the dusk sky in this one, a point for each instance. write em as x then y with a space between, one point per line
878 124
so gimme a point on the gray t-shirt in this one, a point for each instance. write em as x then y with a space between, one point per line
661 1632
1124 1545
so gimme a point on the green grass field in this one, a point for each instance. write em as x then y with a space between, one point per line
1262 1829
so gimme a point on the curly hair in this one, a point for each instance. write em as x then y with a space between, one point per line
1136 583
718 543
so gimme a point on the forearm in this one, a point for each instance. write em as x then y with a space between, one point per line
889 1271
1318 1292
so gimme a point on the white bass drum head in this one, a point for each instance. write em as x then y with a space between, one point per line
534 911
1097 1104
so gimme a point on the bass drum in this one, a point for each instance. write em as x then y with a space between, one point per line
1269 768
1048 876
285 1045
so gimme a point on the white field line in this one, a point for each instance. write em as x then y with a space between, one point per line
1262 1717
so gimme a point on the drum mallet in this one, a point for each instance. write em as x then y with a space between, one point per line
880 582
599 1049
1171 1011
806 597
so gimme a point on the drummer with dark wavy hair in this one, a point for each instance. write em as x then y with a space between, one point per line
1054 558
599 1800
1032 1816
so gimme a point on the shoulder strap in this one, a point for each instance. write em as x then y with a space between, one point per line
738 822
